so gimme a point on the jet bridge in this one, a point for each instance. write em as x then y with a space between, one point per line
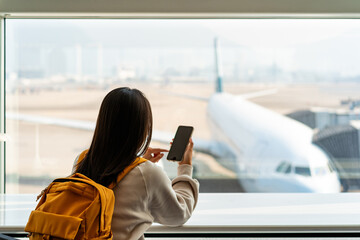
342 143
320 118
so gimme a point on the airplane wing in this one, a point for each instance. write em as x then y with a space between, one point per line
258 93
244 96
62 122
182 95
205 146
210 147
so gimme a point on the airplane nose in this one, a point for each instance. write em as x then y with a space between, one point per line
327 184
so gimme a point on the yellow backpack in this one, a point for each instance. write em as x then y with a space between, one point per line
75 207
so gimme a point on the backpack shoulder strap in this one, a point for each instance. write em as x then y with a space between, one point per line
137 161
82 156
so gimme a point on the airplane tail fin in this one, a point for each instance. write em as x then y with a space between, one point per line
218 80
218 70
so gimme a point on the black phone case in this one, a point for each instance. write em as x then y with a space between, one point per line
181 140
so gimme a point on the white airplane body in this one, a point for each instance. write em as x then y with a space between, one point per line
261 140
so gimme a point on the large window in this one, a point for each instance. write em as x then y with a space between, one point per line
274 103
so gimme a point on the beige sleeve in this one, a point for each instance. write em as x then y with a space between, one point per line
171 203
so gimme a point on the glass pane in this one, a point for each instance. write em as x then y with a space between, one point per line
288 169
281 91
303 171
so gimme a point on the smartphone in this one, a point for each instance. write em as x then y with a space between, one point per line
180 142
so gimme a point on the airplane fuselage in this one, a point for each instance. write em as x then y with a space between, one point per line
273 153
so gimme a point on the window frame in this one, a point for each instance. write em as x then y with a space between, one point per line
187 9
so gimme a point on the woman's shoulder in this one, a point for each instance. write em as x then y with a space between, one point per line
149 167
152 171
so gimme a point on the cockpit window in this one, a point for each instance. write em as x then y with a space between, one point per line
284 167
304 171
280 167
288 169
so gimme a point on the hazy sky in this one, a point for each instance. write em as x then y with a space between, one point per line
326 46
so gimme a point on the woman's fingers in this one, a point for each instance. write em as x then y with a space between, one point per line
156 158
158 150
154 154
191 144
148 153
187 159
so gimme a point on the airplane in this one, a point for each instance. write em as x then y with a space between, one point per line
268 151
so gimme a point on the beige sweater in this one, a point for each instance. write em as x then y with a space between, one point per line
146 195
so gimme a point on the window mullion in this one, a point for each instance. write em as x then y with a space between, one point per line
2 105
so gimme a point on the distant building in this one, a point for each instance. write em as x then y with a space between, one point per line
126 73
30 73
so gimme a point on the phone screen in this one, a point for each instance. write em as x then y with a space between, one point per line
181 140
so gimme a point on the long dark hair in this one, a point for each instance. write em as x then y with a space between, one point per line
123 132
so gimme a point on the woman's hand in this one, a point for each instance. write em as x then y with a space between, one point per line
187 158
154 154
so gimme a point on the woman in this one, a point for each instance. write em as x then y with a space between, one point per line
145 195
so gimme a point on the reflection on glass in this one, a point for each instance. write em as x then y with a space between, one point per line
273 102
